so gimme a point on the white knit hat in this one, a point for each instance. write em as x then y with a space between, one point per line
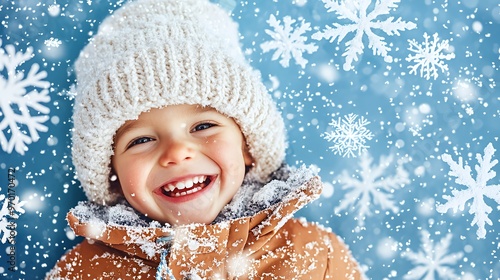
155 53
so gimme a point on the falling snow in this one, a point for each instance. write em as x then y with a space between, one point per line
429 57
364 22
395 101
288 42
476 189
20 92
349 135
53 42
54 10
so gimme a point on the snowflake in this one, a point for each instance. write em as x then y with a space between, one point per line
429 57
432 259
363 22
287 41
373 189
349 135
53 42
476 189
69 93
17 94
10 207
54 10
469 111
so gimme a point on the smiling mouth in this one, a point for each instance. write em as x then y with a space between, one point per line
186 186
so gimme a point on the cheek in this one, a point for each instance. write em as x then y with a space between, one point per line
228 155
131 177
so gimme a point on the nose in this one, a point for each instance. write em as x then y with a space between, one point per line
175 152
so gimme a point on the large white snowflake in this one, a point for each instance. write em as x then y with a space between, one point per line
349 135
429 56
287 41
477 189
363 22
10 208
19 93
431 259
375 187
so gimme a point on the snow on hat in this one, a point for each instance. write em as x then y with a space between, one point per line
155 53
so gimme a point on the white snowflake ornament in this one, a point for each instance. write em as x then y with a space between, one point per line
373 187
10 211
288 42
476 189
349 135
19 95
363 22
432 259
429 57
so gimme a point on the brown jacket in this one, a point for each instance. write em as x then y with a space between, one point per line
267 245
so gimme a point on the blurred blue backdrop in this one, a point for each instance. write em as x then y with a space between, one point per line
392 121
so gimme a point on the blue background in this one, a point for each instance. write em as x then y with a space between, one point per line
392 100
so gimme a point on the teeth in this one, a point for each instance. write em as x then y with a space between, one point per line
171 187
186 184
188 192
180 185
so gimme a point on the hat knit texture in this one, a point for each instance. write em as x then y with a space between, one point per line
155 53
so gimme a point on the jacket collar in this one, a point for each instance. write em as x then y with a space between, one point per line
128 232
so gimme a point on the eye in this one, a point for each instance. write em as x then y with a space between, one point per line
139 141
203 126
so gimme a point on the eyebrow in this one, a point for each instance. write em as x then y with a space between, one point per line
203 109
124 129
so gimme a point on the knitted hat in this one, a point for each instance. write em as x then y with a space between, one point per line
155 53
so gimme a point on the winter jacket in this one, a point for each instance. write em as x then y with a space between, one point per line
268 244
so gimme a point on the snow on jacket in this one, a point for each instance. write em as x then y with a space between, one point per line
254 237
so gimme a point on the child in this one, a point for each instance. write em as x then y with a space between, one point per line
179 149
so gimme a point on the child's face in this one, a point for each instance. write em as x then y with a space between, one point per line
180 164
